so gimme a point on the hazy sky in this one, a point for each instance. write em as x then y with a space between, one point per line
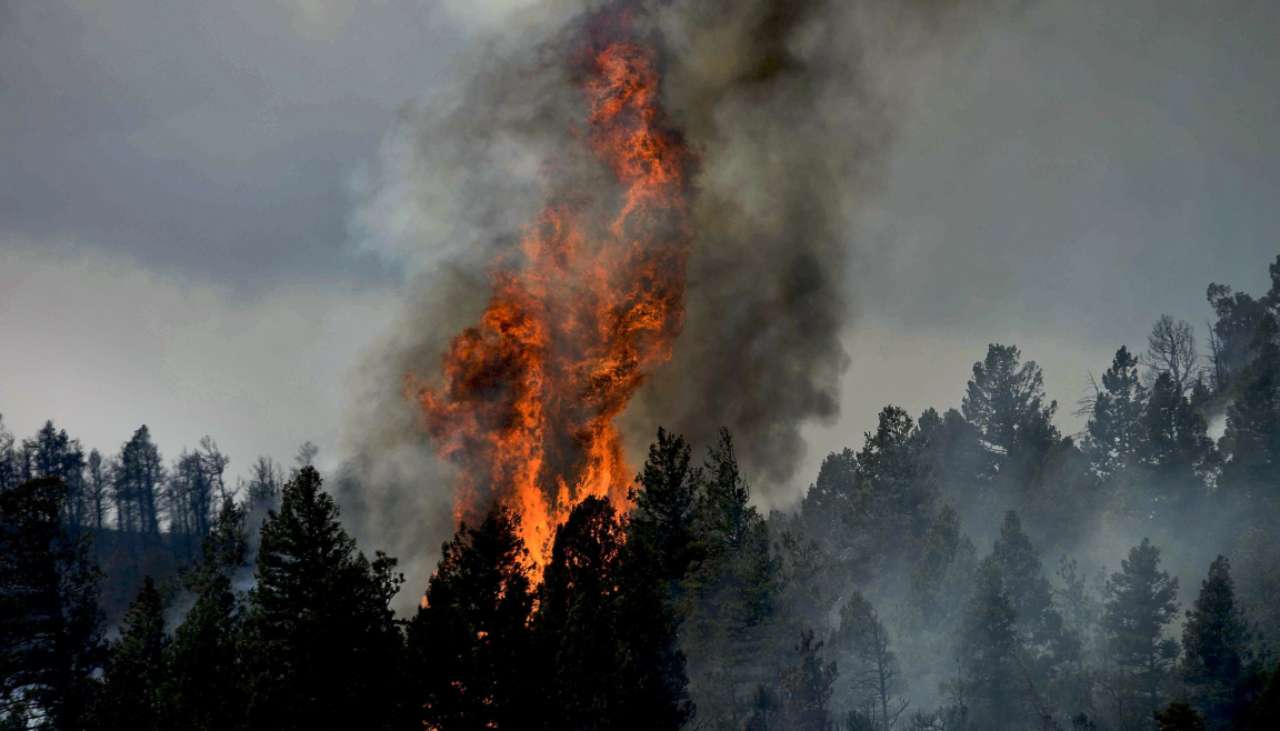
177 185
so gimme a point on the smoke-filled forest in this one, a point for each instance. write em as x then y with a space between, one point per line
970 568
669 365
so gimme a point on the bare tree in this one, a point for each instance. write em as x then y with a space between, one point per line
1171 348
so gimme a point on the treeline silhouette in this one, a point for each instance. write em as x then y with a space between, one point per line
907 591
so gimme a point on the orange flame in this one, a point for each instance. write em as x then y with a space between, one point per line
529 394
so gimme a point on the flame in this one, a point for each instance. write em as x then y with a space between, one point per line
529 395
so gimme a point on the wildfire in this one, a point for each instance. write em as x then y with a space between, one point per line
592 304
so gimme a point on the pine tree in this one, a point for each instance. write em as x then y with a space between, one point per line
731 593
661 522
1252 437
137 483
655 561
50 642
1042 633
1179 717
828 507
870 668
896 489
470 643
1176 448
991 680
806 687
1005 400
322 648
1215 643
204 691
1115 436
136 670
1141 602
577 625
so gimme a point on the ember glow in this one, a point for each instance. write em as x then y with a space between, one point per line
591 304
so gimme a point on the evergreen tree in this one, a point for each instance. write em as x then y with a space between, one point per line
896 487
943 569
136 670
54 454
1141 602
661 522
1215 643
1233 333
731 594
10 465
871 669
828 507
1042 633
1179 717
138 477
1252 437
1265 713
578 619
204 691
97 490
1005 400
661 546
1176 448
49 620
991 679
1115 434
470 643
322 648
806 688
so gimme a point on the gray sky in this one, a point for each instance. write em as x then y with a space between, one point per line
178 183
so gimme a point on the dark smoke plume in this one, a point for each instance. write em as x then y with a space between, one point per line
790 107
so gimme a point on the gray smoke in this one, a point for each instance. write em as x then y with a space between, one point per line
790 107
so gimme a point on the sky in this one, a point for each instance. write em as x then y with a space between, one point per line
180 192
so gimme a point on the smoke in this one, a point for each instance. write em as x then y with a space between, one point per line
790 108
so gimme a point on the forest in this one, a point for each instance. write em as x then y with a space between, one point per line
969 568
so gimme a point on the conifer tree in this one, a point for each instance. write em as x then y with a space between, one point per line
322 649
204 690
1114 428
807 685
1215 643
50 641
1141 602
990 677
470 643
136 670
578 622
731 594
869 667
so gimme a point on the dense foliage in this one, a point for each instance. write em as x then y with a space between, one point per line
969 569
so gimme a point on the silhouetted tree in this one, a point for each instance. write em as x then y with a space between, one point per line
136 669
1179 717
205 691
138 477
470 643
1215 649
49 621
1171 351
731 594
322 649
